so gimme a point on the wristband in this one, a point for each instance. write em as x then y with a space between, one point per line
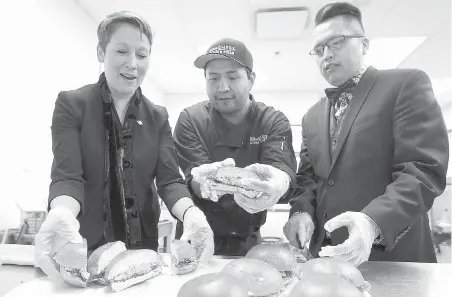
183 216
301 212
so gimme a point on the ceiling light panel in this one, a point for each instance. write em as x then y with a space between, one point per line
286 23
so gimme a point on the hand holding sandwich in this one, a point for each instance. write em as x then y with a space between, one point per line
59 228
197 231
203 175
271 185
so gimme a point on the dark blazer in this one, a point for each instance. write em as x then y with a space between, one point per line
390 163
78 170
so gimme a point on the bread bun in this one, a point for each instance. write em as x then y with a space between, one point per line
183 257
132 267
333 266
260 278
72 261
73 255
227 179
102 256
321 285
213 285
277 256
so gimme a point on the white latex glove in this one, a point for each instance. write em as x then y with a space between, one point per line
197 231
299 229
202 173
273 183
357 247
59 228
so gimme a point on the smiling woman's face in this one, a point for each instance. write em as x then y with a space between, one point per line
126 59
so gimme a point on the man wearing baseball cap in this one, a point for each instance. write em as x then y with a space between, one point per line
232 129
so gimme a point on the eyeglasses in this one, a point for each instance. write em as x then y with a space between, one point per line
333 44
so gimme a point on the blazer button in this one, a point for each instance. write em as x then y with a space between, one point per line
331 182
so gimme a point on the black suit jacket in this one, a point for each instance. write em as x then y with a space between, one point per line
78 170
390 163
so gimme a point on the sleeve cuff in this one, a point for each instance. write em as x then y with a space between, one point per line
378 236
173 192
72 188
289 172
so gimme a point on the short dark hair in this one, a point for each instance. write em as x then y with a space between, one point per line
335 9
106 28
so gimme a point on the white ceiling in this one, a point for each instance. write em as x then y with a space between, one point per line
184 29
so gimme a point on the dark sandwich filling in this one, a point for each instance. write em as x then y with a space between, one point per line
286 274
78 273
136 271
182 262
98 279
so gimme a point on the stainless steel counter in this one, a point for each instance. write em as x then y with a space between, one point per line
397 279
11 276
388 279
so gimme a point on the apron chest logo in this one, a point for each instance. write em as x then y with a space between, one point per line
258 140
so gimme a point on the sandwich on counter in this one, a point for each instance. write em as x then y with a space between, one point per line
72 261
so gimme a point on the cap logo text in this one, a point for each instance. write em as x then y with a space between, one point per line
223 49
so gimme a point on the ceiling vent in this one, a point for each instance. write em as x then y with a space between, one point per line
281 23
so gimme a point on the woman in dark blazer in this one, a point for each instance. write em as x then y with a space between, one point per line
110 143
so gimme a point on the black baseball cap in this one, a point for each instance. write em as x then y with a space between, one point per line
227 48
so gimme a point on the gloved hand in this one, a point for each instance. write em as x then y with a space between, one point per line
362 233
197 231
272 185
299 229
202 173
59 228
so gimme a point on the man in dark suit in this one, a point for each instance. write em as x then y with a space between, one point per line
374 155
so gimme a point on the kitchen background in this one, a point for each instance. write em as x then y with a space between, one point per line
50 45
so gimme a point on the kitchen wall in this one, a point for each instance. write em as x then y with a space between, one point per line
47 46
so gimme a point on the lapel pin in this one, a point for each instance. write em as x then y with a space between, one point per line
140 122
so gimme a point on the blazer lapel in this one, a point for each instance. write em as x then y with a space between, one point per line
361 92
324 135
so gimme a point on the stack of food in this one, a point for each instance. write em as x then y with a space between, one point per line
183 257
330 277
111 265
71 259
278 256
272 270
101 258
228 180
213 285
268 270
239 278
